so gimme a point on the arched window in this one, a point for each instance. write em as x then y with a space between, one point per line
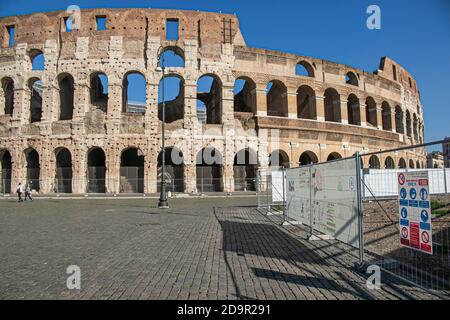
132 171
174 170
244 95
209 99
386 116
304 69
277 100
99 91
63 171
334 156
134 93
416 127
33 169
173 98
411 164
402 163
399 120
172 57
66 96
279 158
5 171
353 110
209 170
418 164
389 163
408 124
306 103
371 112
37 60
8 95
36 87
374 162
96 171
332 105
350 78
308 157
245 166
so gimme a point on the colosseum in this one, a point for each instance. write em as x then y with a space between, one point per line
70 127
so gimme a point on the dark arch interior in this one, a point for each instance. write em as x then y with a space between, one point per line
209 171
304 69
209 100
279 158
66 97
277 100
371 112
334 156
332 106
353 110
132 171
5 172
245 95
96 171
374 162
33 169
63 171
399 120
245 166
386 116
36 87
99 91
174 170
8 94
307 158
351 79
402 163
389 163
306 103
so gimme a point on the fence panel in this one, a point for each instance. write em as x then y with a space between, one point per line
298 195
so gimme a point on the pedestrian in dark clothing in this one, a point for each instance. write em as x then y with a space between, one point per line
19 192
28 193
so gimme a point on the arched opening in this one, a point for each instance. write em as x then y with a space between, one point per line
173 98
411 164
132 171
304 69
332 105
371 112
173 57
334 156
96 171
308 158
33 169
209 170
351 79
277 100
402 163
245 166
209 100
66 96
306 103
389 163
5 171
374 162
244 95
134 93
279 159
399 120
353 110
37 60
63 171
36 87
8 95
173 170
418 164
386 116
415 127
99 91
408 124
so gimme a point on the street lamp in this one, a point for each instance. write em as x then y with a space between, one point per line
163 204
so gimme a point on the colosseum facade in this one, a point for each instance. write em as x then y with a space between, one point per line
62 131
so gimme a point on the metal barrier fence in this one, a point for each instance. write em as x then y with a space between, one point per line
270 185
358 203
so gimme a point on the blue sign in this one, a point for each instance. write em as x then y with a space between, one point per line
424 204
424 216
414 203
423 194
425 226
404 213
403 193
413 193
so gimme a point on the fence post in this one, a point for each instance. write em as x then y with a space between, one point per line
445 180
311 229
360 211
267 191
283 171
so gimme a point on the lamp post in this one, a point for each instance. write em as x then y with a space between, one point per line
163 204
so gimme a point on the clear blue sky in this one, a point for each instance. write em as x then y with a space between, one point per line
415 33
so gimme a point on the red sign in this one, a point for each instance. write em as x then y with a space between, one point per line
401 179
414 230
405 232
423 182
425 237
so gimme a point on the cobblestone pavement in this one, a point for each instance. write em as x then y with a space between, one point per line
199 249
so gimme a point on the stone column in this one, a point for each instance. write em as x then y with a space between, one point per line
393 120
79 169
344 113
112 171
292 105
320 108
114 107
362 114
151 113
379 117
261 100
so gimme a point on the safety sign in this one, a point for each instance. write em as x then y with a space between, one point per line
415 211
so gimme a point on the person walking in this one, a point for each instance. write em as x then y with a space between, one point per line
20 191
28 192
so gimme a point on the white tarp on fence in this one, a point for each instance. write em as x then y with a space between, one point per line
383 182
